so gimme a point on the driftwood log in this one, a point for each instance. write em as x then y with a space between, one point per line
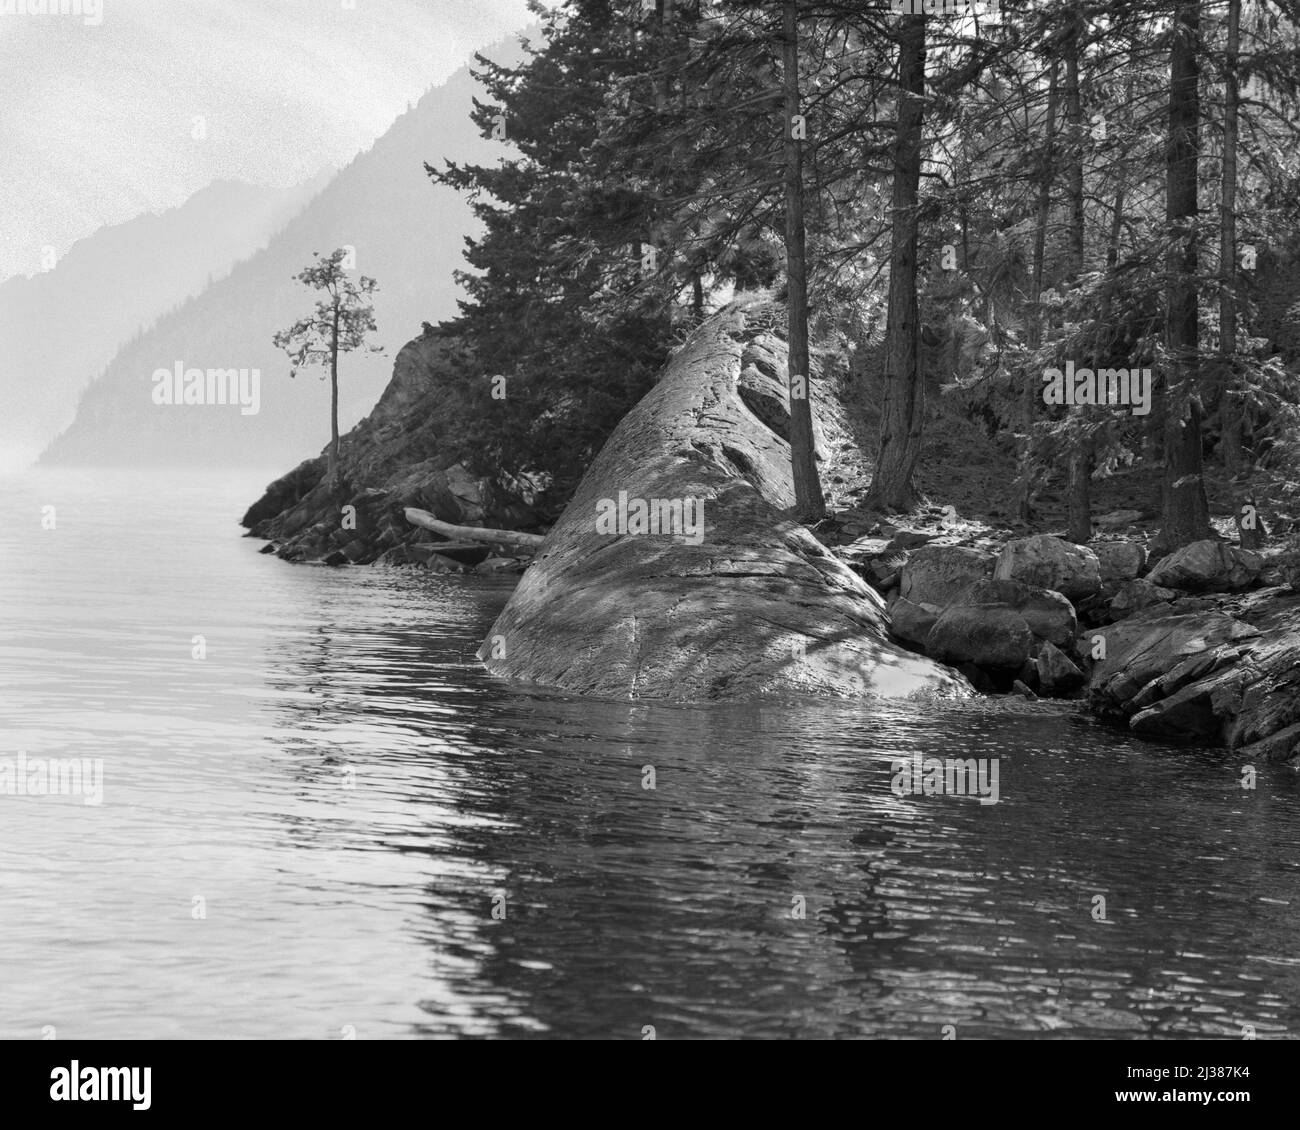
425 520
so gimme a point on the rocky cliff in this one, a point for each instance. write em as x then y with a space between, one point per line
401 455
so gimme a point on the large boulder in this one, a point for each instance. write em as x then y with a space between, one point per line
990 637
943 574
1050 563
1048 615
723 596
1119 560
1207 566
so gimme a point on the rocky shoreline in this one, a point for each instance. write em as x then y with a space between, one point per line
1199 646
394 459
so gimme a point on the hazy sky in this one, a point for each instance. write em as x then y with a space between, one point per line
99 121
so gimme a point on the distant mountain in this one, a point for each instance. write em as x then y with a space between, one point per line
407 233
61 328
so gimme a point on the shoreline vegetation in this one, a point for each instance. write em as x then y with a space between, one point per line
1024 424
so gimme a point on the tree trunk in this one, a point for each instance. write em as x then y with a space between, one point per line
809 502
1030 391
1074 118
334 400
1230 418
1079 494
1080 499
902 415
1186 511
1079 487
1231 405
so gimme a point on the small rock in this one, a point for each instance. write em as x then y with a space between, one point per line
884 573
357 550
865 548
907 539
1120 518
1289 571
1136 595
436 563
912 622
1056 673
397 555
467 553
978 677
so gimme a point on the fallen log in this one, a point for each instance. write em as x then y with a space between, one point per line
425 520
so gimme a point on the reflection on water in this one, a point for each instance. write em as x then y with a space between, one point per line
306 832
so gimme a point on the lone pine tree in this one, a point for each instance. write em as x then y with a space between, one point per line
339 324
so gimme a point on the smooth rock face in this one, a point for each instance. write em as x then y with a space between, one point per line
748 603
1208 566
1119 560
943 574
986 636
1050 563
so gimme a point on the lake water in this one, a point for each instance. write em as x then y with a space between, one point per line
306 833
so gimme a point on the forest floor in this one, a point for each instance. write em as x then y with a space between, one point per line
963 468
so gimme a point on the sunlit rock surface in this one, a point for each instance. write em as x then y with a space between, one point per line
748 603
